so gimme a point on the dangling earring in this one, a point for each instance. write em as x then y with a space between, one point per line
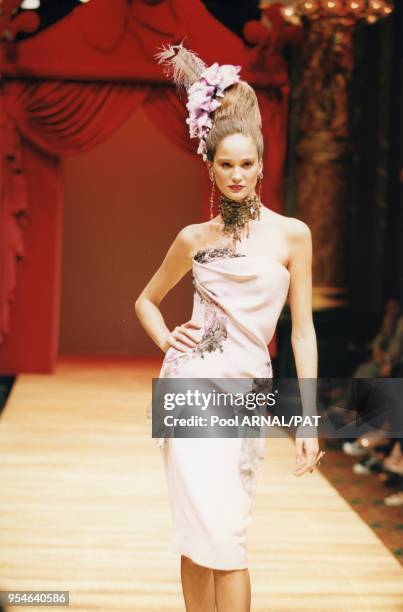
212 196
260 177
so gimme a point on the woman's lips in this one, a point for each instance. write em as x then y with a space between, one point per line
236 187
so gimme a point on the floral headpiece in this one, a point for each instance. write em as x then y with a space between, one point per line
203 85
202 100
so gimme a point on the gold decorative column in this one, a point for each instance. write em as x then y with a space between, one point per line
324 147
324 152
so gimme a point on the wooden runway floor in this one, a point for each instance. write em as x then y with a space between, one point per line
85 509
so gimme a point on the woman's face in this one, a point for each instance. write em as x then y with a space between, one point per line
236 166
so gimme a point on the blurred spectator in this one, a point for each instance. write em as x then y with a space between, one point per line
378 452
386 347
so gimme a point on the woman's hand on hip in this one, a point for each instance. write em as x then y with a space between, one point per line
182 337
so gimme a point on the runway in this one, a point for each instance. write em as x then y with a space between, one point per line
85 509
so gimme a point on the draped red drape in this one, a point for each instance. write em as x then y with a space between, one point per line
168 113
63 118
60 118
32 343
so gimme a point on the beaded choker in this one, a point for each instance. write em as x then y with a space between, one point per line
236 214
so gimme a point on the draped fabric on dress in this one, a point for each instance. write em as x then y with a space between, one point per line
211 481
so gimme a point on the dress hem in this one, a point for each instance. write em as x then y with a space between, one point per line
199 561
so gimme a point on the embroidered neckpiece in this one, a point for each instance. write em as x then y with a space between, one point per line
237 214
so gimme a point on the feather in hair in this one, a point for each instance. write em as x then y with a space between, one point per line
182 65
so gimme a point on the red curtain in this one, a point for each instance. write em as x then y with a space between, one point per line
169 113
66 118
60 118
32 343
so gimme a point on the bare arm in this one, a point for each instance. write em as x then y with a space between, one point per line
303 337
177 262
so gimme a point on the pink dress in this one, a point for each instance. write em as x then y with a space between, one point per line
211 481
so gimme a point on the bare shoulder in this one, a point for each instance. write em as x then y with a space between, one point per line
298 230
299 239
188 236
198 235
294 230
293 227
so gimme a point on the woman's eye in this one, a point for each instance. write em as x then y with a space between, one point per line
248 164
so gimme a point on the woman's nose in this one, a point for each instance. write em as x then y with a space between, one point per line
236 174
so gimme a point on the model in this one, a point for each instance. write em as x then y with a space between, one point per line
245 261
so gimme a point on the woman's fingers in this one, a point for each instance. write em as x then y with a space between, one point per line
181 336
185 338
311 462
312 459
183 330
191 324
303 469
299 453
176 345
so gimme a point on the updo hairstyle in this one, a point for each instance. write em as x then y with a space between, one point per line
238 114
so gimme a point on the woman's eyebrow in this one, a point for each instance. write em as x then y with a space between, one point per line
221 159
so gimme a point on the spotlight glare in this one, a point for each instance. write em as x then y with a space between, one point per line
30 5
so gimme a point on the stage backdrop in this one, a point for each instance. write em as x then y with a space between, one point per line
66 92
139 190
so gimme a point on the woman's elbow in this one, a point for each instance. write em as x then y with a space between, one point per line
138 304
303 334
141 301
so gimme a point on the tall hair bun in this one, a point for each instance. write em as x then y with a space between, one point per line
241 102
183 66
219 102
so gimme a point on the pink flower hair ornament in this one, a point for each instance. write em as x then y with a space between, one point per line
203 92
